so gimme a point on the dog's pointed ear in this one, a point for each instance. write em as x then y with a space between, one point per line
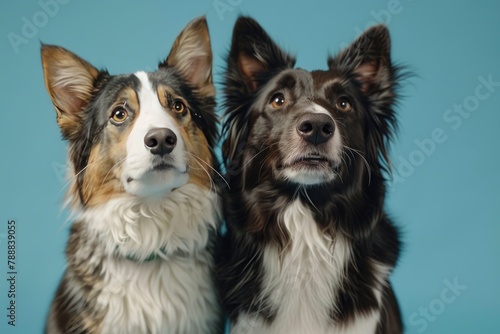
369 57
253 59
191 55
70 82
254 54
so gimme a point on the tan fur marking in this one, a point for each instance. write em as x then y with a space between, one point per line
163 92
201 162
102 175
199 159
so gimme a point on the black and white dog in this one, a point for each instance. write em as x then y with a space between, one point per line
145 208
309 247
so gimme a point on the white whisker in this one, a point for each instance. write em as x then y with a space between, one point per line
74 177
114 166
364 160
250 160
208 165
212 183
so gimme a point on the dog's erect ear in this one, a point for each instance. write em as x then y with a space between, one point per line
70 81
369 56
369 59
253 59
191 55
254 55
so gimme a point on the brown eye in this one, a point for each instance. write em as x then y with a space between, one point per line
278 101
344 104
179 107
119 115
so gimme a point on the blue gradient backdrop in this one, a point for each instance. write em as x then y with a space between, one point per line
445 194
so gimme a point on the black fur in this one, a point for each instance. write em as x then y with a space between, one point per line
351 204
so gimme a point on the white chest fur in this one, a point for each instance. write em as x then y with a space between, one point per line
303 283
158 297
173 294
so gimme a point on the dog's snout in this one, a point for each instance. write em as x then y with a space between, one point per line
160 141
315 128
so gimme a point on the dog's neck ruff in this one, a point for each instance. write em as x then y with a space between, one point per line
161 254
145 229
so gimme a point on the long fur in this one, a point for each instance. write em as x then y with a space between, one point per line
145 207
309 247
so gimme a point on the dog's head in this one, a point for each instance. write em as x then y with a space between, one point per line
144 134
300 128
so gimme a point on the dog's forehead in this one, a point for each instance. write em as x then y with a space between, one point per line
117 84
166 77
114 88
134 83
322 78
307 83
297 81
296 78
133 89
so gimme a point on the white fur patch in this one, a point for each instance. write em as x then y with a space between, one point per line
156 298
175 295
249 324
303 284
381 272
137 176
317 109
365 324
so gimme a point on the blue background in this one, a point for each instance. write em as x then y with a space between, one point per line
447 206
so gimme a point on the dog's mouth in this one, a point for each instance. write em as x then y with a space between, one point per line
157 169
163 166
307 169
314 159
310 160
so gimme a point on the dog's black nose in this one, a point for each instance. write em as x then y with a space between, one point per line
316 128
160 141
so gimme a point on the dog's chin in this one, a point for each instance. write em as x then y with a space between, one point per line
155 182
308 172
